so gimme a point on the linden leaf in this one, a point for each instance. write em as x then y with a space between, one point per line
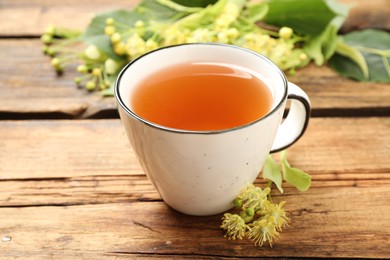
296 177
363 55
95 35
321 47
195 3
164 10
256 11
272 172
308 17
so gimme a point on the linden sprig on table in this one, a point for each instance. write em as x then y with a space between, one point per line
298 32
292 33
257 217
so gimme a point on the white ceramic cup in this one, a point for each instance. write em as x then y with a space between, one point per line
201 172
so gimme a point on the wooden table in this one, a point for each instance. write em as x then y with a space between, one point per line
70 185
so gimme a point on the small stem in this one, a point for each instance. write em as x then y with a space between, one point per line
178 7
269 185
384 53
387 65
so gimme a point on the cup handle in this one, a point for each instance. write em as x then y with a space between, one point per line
295 124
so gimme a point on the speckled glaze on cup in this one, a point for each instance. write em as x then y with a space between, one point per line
201 172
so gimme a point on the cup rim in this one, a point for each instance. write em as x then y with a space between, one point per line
186 131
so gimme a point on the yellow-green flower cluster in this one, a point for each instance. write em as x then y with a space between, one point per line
234 225
96 69
222 22
259 219
130 41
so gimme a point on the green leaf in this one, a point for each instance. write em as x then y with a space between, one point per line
321 47
356 56
196 3
364 56
110 91
95 35
255 12
307 17
272 172
163 10
296 177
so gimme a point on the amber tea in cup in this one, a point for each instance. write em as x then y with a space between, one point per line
202 96
202 119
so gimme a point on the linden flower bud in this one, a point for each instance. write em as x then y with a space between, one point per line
250 37
92 52
45 49
119 48
107 83
110 66
96 72
151 45
109 30
232 33
222 37
90 85
173 35
82 68
51 52
303 56
116 37
250 211
285 32
102 86
110 21
77 80
57 65
47 39
136 46
201 35
237 203
228 16
55 62
139 24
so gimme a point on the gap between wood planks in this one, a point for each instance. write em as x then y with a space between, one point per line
113 114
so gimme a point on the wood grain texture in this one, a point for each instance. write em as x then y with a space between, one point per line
74 189
78 13
329 222
367 14
76 148
30 88
31 17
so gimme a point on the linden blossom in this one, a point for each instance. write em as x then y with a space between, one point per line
259 219
226 21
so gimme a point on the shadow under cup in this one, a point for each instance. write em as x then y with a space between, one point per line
201 172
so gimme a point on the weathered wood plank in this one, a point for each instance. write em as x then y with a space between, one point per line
76 162
131 188
31 17
60 149
30 86
31 89
328 222
367 14
78 13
